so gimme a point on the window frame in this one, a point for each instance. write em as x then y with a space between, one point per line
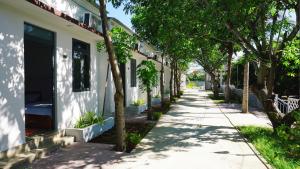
133 81
88 60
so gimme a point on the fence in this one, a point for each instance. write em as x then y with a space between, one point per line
286 106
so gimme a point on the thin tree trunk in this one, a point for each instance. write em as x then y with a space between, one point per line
149 104
171 81
271 79
178 83
119 95
162 82
175 79
245 103
227 86
215 85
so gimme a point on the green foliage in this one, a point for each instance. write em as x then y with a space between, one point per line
291 57
87 119
211 58
139 102
147 74
191 85
279 152
180 92
133 138
196 76
157 96
123 44
157 115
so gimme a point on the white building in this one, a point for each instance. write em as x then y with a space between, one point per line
50 69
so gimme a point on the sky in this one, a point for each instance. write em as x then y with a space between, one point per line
119 14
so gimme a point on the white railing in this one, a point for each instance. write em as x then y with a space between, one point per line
286 106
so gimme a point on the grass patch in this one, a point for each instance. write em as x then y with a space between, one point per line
221 99
217 100
275 150
191 85
157 115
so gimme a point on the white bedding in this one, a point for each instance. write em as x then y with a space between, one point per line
43 109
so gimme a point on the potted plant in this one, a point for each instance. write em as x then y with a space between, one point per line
137 107
89 126
156 100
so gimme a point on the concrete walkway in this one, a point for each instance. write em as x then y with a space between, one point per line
195 134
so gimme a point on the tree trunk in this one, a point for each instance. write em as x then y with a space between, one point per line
260 89
171 82
178 83
175 80
149 103
245 103
277 118
119 95
227 86
271 79
215 85
162 82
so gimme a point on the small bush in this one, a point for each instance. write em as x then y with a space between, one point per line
139 102
133 138
87 119
157 115
180 92
191 85
157 96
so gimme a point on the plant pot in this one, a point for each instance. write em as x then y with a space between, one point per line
136 109
88 133
155 101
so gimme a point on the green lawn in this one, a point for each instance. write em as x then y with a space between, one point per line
280 154
218 100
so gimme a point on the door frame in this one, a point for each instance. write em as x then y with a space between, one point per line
53 69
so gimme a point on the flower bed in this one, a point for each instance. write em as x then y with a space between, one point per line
88 133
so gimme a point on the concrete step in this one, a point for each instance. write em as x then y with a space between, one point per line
46 146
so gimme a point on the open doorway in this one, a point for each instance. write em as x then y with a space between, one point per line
39 81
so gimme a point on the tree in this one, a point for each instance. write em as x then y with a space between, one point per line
245 102
119 95
148 75
264 28
212 59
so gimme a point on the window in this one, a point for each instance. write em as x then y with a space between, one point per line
133 72
81 66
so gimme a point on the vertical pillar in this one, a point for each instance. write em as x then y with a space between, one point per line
245 107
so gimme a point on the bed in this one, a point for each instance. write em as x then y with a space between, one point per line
42 109
38 115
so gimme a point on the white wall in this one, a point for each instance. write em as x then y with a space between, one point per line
12 121
69 105
134 93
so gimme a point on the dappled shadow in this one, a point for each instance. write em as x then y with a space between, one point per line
79 156
182 136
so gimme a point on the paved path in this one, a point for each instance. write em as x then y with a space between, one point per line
195 134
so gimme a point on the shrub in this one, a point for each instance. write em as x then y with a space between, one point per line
278 150
133 138
157 96
157 115
87 119
191 85
139 102
180 92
